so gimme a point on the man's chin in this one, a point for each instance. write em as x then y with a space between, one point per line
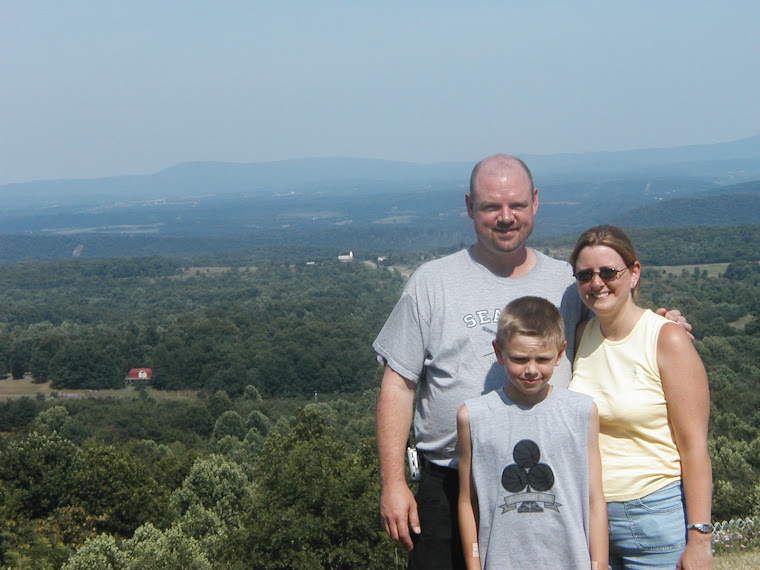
497 249
507 247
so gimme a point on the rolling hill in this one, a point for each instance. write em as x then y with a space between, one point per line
336 203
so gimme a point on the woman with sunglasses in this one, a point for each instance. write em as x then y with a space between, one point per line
651 390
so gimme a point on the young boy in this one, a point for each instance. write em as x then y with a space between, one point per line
529 465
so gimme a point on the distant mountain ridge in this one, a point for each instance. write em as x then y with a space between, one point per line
730 162
739 207
349 203
718 157
192 179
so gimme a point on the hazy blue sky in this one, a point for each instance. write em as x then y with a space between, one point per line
97 88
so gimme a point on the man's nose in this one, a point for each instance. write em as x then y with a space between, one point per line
505 215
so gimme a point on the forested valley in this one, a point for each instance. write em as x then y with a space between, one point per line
267 459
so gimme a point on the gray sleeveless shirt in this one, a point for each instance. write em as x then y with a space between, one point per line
530 471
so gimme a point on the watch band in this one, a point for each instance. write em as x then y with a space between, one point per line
704 528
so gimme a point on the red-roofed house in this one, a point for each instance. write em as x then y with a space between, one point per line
139 374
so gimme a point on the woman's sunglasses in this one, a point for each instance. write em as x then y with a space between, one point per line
606 274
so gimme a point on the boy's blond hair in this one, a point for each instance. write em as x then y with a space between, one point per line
531 316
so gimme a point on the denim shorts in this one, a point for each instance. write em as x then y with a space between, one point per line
649 532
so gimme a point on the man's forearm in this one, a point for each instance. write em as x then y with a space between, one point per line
398 509
394 418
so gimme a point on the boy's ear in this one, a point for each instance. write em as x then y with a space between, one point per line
561 352
497 351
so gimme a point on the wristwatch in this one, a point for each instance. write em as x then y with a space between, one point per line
704 528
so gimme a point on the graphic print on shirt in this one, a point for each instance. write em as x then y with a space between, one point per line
482 317
529 480
487 322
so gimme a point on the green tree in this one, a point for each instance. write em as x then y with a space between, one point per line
218 403
740 270
149 549
153 549
252 393
734 478
40 467
315 502
218 485
52 419
19 413
230 423
99 553
118 486
86 364
259 422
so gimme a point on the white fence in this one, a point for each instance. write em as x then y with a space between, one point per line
736 525
736 534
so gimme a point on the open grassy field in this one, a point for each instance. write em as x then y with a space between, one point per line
713 269
26 387
749 560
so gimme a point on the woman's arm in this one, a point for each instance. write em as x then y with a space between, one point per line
598 539
468 506
684 382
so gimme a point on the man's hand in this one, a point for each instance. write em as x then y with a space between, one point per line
676 316
398 510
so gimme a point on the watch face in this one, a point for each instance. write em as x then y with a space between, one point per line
704 528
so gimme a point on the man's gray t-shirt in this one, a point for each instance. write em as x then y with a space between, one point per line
440 332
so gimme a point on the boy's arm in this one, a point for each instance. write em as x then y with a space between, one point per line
468 507
598 539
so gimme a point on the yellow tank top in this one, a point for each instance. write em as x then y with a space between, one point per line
639 455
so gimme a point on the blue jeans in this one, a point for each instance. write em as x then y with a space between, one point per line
649 532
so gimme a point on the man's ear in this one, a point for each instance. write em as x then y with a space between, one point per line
470 203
